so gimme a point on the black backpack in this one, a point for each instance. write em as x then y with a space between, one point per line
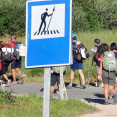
7 56
97 55
77 53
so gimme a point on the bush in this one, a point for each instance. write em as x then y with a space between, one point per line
88 15
6 97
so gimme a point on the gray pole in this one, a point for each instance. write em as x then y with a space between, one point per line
46 97
61 83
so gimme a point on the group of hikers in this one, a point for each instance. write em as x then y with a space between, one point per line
104 59
10 57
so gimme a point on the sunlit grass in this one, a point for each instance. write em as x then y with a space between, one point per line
32 106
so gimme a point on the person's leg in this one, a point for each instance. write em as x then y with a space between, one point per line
53 82
4 71
19 71
21 80
5 77
97 82
106 86
105 79
58 84
111 89
71 77
82 76
13 74
59 89
112 80
13 64
51 91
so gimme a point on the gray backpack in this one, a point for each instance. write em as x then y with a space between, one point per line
109 61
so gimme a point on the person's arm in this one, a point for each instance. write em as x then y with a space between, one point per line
91 53
0 52
100 69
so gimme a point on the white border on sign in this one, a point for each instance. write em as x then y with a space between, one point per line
70 41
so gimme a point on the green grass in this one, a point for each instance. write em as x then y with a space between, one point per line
107 36
32 106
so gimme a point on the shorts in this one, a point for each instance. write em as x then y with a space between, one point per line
77 65
109 78
16 63
5 65
55 79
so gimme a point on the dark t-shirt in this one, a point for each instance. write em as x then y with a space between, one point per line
115 54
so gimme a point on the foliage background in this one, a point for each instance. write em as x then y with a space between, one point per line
88 15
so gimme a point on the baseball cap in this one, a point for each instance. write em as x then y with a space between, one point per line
74 36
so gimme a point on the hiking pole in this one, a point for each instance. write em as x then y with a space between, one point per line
65 92
51 18
88 70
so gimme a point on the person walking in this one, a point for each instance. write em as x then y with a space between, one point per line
106 72
77 65
55 78
95 50
16 64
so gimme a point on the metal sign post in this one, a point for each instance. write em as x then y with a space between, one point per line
61 83
46 97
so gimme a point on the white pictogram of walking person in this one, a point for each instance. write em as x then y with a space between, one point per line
43 22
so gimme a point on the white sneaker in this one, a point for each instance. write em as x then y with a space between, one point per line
102 85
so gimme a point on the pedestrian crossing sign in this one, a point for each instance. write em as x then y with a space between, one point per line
48 33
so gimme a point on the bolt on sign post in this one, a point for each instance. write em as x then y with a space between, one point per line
48 38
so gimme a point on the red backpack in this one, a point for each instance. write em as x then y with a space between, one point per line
77 53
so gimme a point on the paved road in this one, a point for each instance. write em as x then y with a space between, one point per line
91 94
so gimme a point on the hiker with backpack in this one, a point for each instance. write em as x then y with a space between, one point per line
107 72
55 78
16 63
78 57
6 59
96 52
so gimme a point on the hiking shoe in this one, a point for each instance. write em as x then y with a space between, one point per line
14 82
69 86
114 99
51 97
96 84
9 83
21 81
23 75
102 85
110 96
83 86
58 92
106 102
